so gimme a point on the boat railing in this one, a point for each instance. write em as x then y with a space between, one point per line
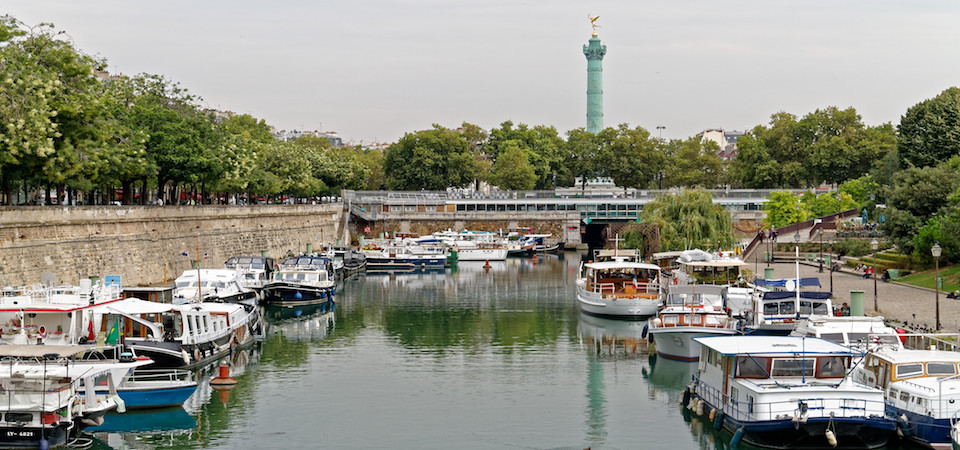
931 341
160 375
796 408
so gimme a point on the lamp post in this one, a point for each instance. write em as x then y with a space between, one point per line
831 266
936 251
820 235
660 129
875 245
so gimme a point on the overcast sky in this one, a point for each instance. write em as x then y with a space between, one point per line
372 70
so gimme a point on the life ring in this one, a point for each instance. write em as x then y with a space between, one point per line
43 331
196 354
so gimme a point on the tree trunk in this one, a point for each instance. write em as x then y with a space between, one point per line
127 188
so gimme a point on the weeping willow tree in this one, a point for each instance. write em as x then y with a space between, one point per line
689 219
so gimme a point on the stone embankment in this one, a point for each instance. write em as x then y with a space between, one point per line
144 244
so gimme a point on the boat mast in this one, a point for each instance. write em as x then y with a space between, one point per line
199 284
796 261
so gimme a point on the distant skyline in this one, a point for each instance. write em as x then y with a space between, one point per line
373 70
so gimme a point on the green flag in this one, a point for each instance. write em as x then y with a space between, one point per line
114 336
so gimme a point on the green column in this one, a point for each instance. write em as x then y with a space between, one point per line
594 53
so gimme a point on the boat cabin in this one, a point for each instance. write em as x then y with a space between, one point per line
622 279
889 365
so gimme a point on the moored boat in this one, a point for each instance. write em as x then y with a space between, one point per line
302 280
620 288
922 389
253 271
212 285
788 392
180 336
689 311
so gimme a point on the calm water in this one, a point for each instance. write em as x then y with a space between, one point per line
467 359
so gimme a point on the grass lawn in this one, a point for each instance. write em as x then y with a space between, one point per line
925 278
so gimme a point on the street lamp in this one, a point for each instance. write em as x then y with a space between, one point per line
831 266
820 234
875 245
660 129
936 251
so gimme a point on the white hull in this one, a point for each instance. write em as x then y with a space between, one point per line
677 342
637 307
482 254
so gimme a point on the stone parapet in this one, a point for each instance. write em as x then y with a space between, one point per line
145 244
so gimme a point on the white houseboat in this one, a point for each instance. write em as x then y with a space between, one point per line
922 387
788 392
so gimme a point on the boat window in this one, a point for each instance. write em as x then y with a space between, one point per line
941 368
858 338
712 320
833 337
19 417
771 309
904 396
787 308
832 367
792 367
893 393
748 367
206 323
750 403
909 370
671 319
805 308
696 319
820 308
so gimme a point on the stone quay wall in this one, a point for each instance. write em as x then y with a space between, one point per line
145 244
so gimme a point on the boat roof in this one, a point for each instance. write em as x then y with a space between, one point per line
917 356
708 289
41 351
719 263
132 306
606 265
772 345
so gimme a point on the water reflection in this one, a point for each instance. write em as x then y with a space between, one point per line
612 339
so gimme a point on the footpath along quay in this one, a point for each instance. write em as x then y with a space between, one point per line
896 301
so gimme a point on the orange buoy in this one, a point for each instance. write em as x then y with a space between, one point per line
487 265
224 378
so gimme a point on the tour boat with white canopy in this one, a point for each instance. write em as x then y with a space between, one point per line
787 392
620 288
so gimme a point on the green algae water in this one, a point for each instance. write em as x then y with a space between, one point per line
465 358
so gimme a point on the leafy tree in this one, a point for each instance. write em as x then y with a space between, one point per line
631 155
512 169
542 144
919 194
694 163
689 219
432 159
929 132
753 167
581 156
785 208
